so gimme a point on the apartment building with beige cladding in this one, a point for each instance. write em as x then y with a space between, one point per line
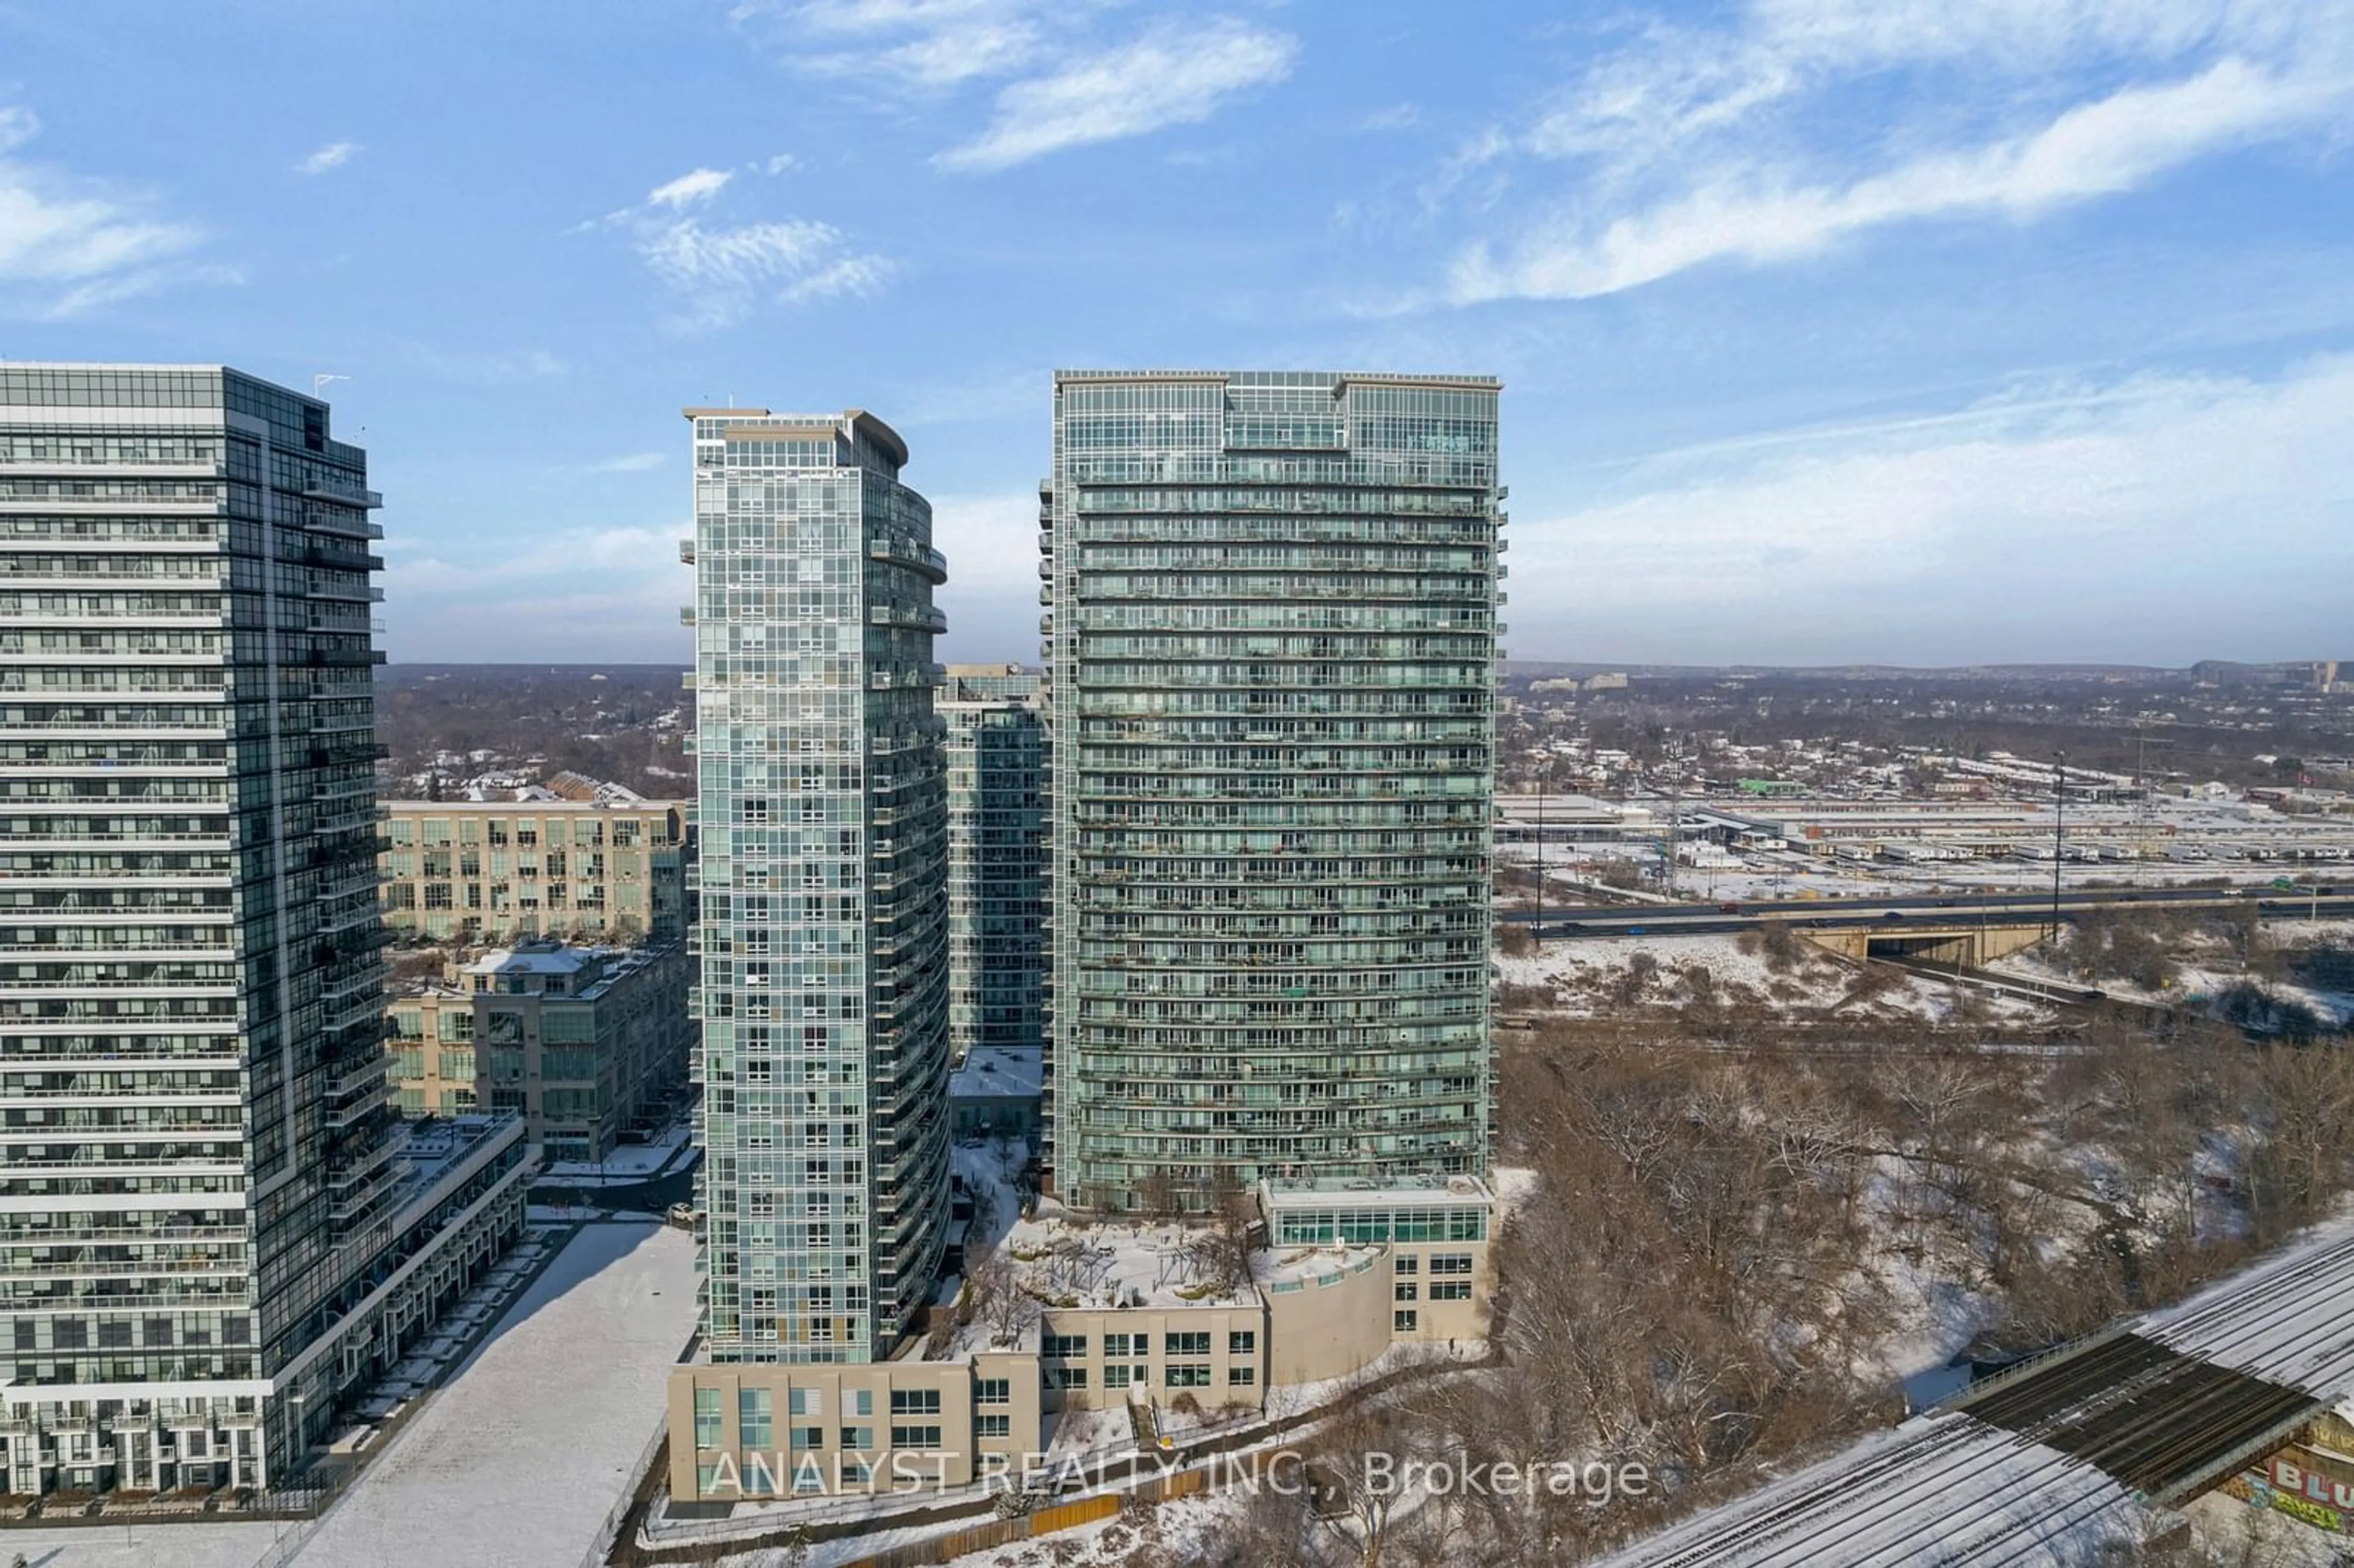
497 871
1350 1273
588 1044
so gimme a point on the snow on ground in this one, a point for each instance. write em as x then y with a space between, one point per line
1582 974
2241 1532
518 1461
1175 1527
629 1162
211 1544
2207 966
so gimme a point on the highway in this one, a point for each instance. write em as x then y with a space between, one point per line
2011 908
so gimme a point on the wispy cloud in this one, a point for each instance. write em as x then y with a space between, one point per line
2116 144
69 245
1173 75
925 43
631 462
1397 117
1686 145
489 368
2083 481
1063 83
333 155
720 271
696 185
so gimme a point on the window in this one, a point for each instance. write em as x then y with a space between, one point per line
1401 1322
1405 1291
858 1402
808 1436
1450 1290
809 1401
1066 1346
914 1437
1405 1265
1193 1344
856 1472
1186 1375
1241 1377
1242 1342
755 1418
994 1391
1450 1263
707 1418
1070 1377
1117 1344
857 1436
1114 1377
994 1427
915 1401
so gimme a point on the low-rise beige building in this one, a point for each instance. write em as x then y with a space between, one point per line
494 870
585 1042
1349 1272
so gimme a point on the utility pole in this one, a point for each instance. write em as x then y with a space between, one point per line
1536 926
1675 812
2059 833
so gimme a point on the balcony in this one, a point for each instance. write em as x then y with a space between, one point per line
366 500
686 615
686 551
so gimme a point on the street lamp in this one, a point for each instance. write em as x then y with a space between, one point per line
2059 833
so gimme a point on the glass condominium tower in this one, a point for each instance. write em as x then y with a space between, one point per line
198 1166
824 927
1271 640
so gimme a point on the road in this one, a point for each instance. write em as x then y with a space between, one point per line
1946 909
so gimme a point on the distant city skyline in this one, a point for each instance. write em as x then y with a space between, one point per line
1834 331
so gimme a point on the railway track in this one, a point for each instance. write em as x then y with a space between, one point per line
2092 1439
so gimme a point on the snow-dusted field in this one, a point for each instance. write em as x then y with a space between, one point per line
1580 972
209 1545
513 1465
517 1462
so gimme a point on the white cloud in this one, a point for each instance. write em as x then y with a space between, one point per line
696 185
629 551
720 271
1397 117
67 245
853 276
991 544
1171 75
493 368
632 462
779 162
691 256
1064 84
939 43
2098 149
333 155
1800 123
2110 519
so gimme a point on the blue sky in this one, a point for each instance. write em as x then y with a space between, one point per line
1832 330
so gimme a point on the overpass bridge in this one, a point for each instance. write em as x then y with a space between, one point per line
1966 929
2088 1445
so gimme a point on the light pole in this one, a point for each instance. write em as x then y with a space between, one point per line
1536 926
2059 833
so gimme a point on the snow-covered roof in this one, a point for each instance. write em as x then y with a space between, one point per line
991 1072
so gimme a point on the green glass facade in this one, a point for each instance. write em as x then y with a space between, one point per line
997 862
822 931
1272 646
